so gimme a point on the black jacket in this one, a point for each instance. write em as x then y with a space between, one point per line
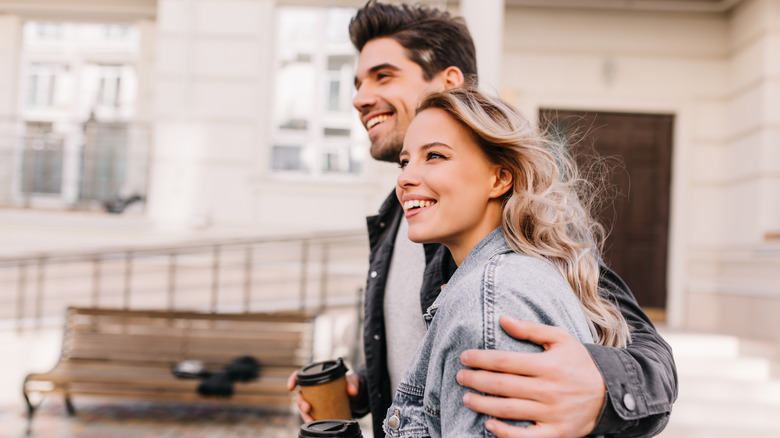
641 379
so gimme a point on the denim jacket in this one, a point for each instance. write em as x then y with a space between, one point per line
643 373
492 281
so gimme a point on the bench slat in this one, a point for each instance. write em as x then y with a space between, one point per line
130 354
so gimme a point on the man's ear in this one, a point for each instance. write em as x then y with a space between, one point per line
502 183
452 77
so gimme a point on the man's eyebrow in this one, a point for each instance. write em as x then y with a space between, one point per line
376 68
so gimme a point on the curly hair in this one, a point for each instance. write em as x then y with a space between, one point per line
432 38
546 213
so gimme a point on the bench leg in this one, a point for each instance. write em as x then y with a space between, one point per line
30 412
69 406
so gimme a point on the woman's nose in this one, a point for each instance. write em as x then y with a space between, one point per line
408 177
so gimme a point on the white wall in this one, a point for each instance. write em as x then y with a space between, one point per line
635 62
734 281
213 91
10 45
210 99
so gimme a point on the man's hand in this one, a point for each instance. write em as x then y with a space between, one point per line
353 387
560 389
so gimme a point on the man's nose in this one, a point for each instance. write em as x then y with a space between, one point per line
364 98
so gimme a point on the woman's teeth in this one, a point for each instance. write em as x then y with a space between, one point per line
376 120
417 203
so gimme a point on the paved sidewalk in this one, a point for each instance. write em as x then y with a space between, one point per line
728 387
120 419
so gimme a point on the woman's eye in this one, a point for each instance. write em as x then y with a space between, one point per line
403 163
434 155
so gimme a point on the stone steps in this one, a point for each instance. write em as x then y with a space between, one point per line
728 387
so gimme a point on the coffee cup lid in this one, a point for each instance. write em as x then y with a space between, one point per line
330 428
321 372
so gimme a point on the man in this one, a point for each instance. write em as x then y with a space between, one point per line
570 389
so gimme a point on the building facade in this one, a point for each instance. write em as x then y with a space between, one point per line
242 109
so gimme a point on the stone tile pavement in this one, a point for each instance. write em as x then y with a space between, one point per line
729 387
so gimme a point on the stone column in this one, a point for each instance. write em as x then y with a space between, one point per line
485 19
212 66
10 44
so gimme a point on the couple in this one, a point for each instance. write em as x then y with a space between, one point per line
477 178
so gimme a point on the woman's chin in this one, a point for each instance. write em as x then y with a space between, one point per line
418 237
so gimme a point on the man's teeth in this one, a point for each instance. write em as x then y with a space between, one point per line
376 120
414 203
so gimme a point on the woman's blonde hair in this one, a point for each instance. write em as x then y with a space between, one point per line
546 214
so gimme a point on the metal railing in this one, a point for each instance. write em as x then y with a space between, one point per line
233 275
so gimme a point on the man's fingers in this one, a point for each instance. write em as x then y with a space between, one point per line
535 332
526 364
499 384
509 409
503 430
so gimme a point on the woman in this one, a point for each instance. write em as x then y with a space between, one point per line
478 178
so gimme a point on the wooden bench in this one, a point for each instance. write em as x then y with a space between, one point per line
131 354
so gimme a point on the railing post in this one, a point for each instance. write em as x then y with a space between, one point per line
39 291
324 275
214 278
96 281
304 263
20 300
128 279
247 278
171 281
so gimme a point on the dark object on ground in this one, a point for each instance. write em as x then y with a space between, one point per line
242 369
118 205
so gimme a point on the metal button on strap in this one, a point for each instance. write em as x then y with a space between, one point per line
629 402
394 422
373 274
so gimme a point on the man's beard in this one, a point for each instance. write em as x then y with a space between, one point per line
389 148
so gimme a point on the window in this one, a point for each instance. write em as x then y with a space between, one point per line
41 84
42 155
48 30
109 85
316 130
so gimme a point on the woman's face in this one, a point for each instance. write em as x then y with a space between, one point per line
449 189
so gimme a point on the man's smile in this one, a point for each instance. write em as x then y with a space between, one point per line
375 120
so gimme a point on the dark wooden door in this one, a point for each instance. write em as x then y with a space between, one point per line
637 148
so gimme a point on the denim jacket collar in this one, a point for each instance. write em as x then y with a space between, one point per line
491 245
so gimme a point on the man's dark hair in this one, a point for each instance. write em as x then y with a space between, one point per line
432 38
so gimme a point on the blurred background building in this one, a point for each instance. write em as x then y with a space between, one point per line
205 154
193 115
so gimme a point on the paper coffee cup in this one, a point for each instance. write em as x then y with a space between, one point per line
331 428
324 386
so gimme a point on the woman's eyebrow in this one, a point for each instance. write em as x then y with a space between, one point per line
432 144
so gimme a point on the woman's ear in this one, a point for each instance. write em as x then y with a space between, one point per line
502 183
